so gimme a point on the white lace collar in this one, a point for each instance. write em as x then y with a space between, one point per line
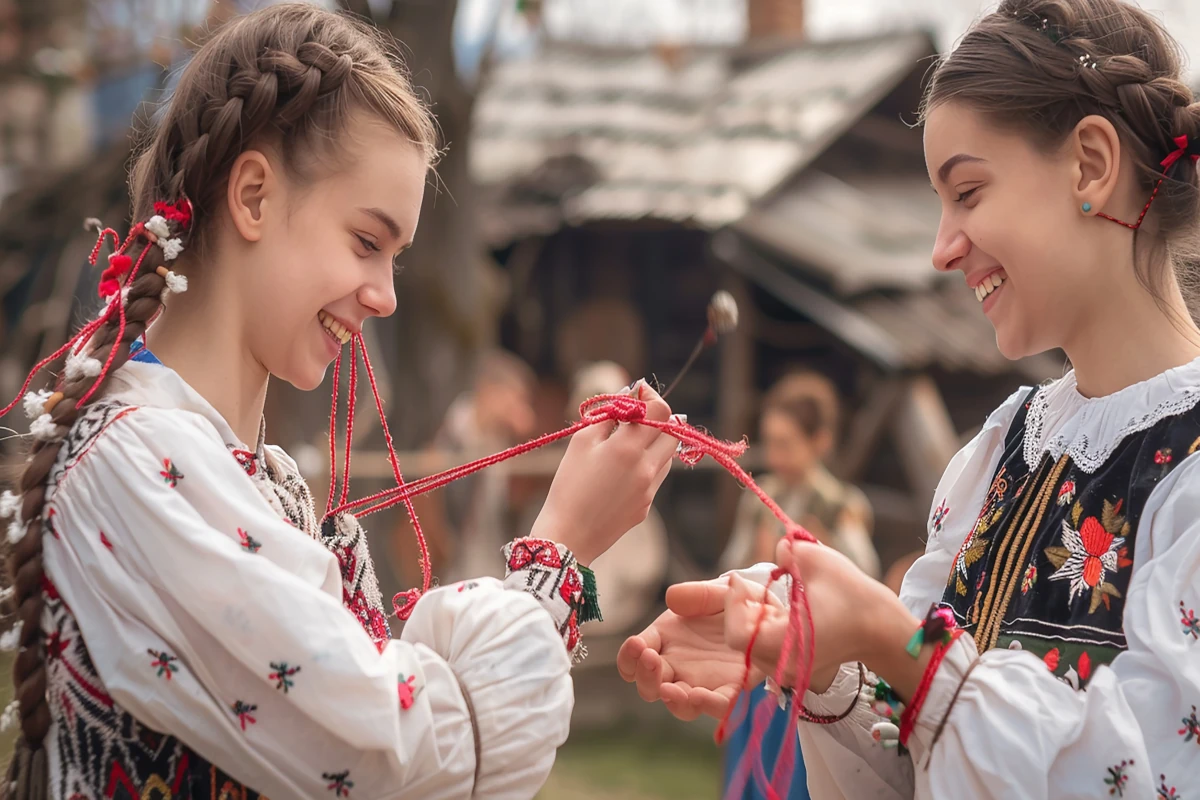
1061 420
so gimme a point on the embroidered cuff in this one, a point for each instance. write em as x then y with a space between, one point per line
942 691
548 571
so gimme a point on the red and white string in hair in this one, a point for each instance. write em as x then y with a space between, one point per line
115 281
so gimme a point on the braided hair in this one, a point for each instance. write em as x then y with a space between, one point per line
1041 66
289 77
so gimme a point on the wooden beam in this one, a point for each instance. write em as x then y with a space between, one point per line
866 428
924 435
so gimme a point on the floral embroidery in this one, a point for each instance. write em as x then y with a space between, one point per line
1191 728
571 589
939 517
1029 580
283 675
247 460
529 551
339 782
1077 675
1090 553
1191 625
1163 457
1051 659
467 585
243 711
170 473
408 692
104 541
1117 778
1066 493
249 543
1165 792
165 662
975 546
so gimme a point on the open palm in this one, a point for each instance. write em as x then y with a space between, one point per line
682 658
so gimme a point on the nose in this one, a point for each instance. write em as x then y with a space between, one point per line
951 246
379 296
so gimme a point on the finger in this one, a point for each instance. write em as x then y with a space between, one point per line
712 703
698 598
649 676
642 436
593 435
627 657
675 698
663 448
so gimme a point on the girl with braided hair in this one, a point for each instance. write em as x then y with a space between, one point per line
187 626
1059 652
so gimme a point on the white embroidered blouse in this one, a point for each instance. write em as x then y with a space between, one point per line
210 617
1015 730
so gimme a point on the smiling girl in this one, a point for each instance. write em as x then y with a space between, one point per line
1059 654
187 626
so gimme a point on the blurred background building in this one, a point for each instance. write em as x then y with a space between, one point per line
610 164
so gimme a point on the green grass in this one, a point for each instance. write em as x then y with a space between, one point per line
635 762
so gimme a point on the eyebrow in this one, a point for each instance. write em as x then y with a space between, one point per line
385 218
954 161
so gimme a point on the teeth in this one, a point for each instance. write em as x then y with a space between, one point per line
989 284
334 327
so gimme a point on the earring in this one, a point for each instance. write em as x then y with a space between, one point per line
1087 207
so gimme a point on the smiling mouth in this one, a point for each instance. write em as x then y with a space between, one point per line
335 329
990 284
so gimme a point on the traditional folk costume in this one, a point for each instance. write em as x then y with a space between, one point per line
1065 539
197 638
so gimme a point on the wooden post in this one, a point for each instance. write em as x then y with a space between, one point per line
924 436
866 428
735 391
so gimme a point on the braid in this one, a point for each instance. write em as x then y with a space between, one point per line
27 776
287 77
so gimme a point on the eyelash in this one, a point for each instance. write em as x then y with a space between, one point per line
397 267
967 194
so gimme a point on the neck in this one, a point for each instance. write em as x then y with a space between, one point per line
1121 346
204 342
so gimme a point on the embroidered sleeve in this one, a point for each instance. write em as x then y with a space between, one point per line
550 574
210 618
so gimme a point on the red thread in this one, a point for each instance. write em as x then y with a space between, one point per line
908 719
1181 143
352 395
337 372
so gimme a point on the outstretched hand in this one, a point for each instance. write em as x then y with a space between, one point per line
682 658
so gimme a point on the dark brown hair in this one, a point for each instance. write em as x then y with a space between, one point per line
808 399
288 77
1041 66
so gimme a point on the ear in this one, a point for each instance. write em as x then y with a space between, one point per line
1096 150
252 184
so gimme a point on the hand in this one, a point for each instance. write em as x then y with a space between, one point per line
606 482
854 617
682 658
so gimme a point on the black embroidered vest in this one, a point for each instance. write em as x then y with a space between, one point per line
1047 565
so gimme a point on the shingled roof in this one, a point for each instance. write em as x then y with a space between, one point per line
694 136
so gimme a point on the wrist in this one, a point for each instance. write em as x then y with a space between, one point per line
884 652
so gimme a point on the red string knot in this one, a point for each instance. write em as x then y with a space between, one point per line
617 407
404 602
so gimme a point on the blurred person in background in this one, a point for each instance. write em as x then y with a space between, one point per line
799 423
468 520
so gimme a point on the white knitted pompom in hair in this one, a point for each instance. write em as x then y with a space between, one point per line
9 504
35 403
16 531
158 226
93 224
171 248
10 716
176 283
81 365
10 638
43 428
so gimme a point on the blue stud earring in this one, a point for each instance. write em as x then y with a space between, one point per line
1087 207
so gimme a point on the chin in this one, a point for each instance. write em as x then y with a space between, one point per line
304 377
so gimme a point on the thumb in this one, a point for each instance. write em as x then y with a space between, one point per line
698 598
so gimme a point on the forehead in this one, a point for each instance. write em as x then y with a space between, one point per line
952 129
379 168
